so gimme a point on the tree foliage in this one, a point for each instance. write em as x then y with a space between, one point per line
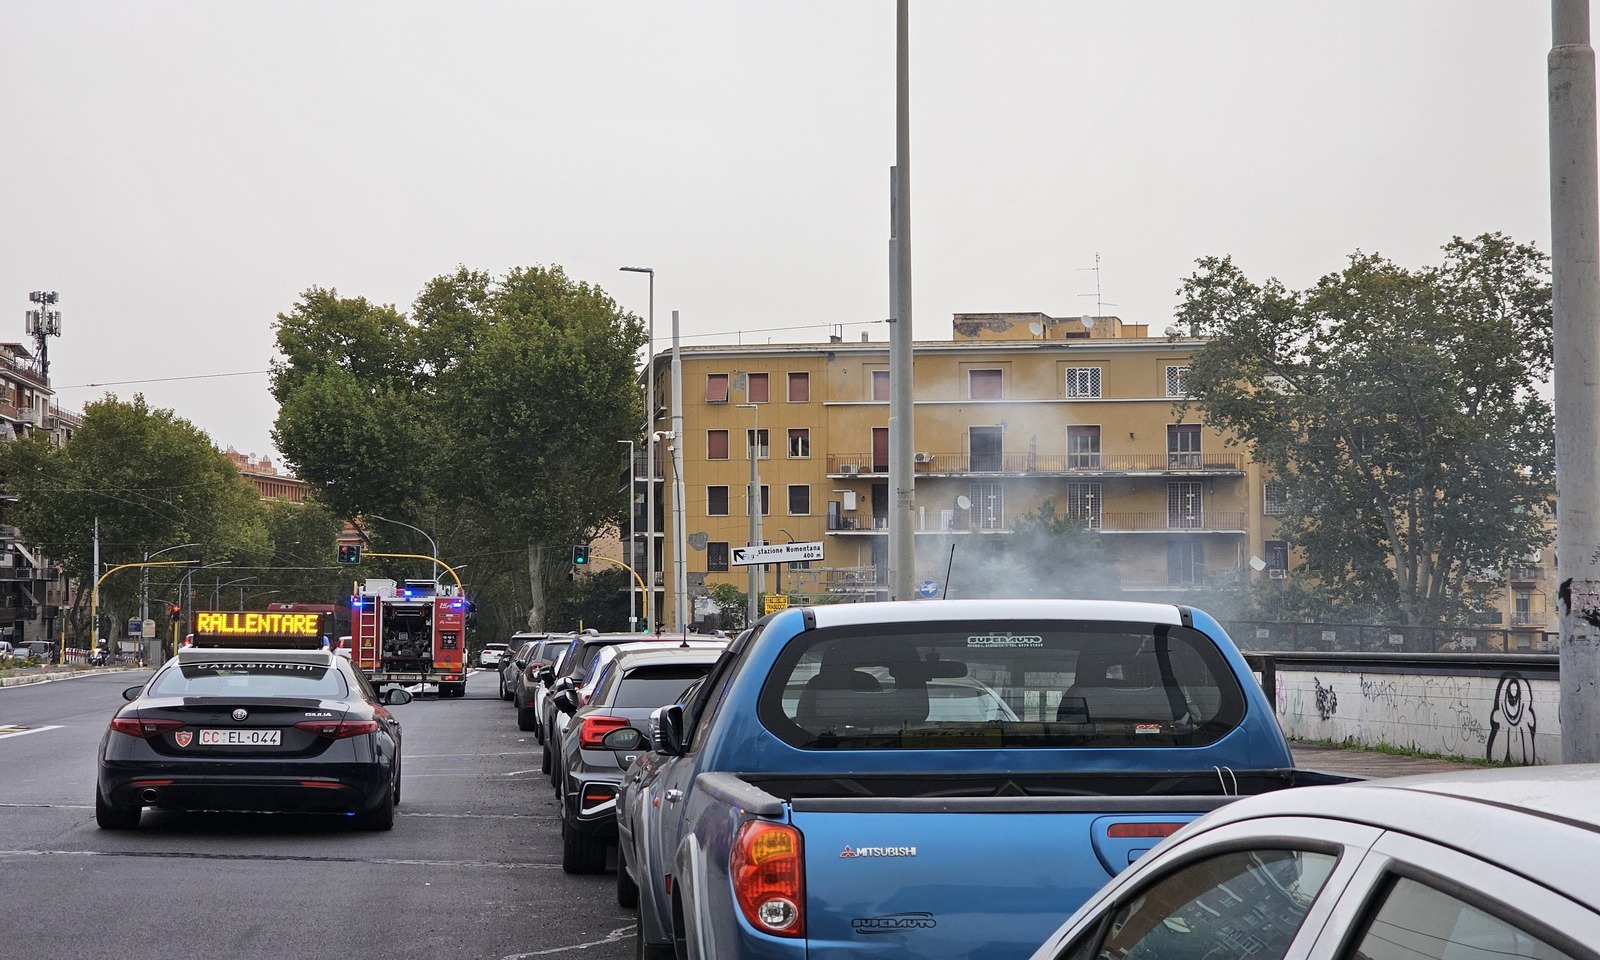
488 416
1047 555
148 478
1399 408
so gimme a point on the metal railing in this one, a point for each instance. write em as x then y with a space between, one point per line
1368 638
1066 464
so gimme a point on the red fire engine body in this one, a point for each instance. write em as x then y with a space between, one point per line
410 632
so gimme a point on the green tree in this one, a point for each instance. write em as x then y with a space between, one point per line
1399 408
489 415
149 479
1046 555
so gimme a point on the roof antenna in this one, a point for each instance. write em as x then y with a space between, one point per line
948 567
1099 304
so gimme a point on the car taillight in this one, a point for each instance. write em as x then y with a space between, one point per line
338 729
769 877
595 730
145 729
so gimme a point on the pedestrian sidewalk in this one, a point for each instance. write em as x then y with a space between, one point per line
1357 762
23 675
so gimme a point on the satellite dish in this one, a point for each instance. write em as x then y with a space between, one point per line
1174 331
963 502
1257 564
1036 328
1087 321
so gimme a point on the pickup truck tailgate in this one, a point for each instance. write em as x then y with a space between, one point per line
966 877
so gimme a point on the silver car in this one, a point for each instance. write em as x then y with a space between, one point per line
1480 865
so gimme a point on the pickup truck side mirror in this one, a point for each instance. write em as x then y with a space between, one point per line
669 730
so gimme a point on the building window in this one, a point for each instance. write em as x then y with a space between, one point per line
799 443
983 384
1186 562
1183 446
759 440
988 506
880 385
1521 607
983 443
1177 381
1277 557
717 556
717 501
1274 499
1083 504
716 444
758 389
1083 381
716 388
799 388
766 501
799 499
1185 510
1083 448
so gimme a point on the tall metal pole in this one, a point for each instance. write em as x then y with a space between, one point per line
434 547
633 479
752 602
649 446
680 536
1575 250
902 478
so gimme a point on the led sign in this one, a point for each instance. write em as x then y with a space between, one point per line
213 623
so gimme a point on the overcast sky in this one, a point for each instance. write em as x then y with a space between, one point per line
180 171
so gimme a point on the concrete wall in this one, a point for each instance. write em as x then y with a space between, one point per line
1503 712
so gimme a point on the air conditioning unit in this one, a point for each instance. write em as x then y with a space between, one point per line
923 457
1277 574
849 469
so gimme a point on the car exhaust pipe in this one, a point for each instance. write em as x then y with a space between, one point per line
149 795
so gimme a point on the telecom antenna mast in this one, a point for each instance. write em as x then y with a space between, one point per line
44 323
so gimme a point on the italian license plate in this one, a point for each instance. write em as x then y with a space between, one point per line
241 738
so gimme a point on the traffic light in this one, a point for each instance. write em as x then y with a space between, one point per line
580 555
174 611
349 553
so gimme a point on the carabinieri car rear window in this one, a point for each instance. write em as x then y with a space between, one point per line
254 678
1011 684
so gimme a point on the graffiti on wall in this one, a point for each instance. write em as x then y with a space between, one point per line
1327 700
1511 721
1450 715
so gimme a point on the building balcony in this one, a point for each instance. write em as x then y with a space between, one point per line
1151 522
1157 463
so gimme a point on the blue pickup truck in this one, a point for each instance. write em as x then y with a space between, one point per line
932 779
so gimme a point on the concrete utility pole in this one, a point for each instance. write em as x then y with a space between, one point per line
902 425
680 536
1574 255
753 597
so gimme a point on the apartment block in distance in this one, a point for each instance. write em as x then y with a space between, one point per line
1014 410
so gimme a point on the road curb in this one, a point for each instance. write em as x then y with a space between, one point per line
60 675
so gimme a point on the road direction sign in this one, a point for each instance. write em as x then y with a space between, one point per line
776 553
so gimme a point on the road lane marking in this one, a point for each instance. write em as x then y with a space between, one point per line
619 934
279 858
15 731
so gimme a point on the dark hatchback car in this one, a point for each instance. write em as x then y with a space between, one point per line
609 731
255 730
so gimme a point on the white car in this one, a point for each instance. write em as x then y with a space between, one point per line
492 654
1484 864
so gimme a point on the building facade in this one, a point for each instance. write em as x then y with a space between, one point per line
1013 411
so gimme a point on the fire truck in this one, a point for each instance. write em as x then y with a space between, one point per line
412 631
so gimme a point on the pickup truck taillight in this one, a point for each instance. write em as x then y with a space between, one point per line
595 730
768 872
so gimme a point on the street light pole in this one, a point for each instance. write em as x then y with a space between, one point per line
216 592
649 443
144 578
433 547
633 601
753 448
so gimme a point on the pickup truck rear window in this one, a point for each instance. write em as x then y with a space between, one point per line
1011 684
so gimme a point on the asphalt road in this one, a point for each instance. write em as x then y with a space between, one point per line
472 868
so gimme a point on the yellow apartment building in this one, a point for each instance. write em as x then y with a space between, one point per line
1014 410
